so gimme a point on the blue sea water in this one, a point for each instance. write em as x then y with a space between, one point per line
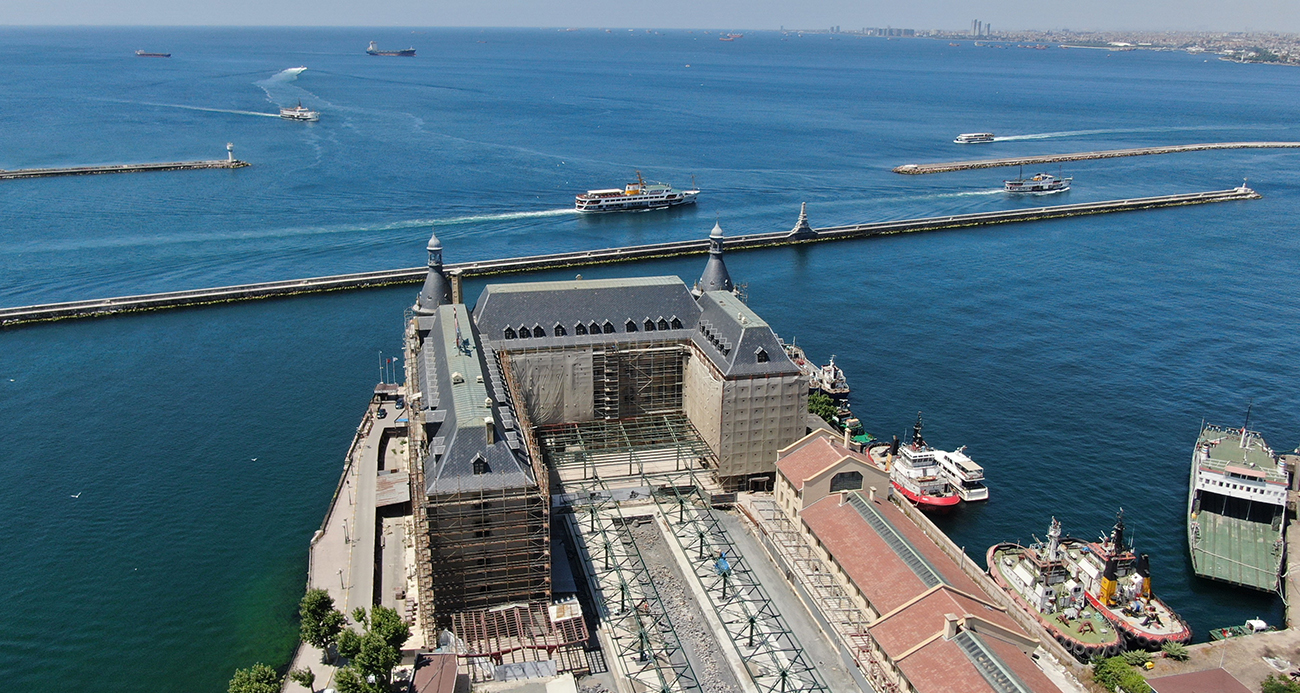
1076 358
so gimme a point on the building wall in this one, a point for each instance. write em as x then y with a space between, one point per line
820 487
556 384
759 416
702 398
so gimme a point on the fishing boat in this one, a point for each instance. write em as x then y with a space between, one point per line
914 472
1040 183
1236 508
1251 627
301 113
973 137
1117 582
1039 580
374 50
634 197
966 477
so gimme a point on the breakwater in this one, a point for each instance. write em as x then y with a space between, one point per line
919 169
801 234
119 168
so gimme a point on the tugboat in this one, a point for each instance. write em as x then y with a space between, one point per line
301 113
1039 580
830 379
1117 582
634 197
1039 183
914 472
374 50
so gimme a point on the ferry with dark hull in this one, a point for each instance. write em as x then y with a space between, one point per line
1236 509
404 53
634 197
1038 184
1040 581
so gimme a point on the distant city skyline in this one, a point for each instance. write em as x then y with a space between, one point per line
1111 15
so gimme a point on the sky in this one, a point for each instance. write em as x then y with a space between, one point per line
1193 15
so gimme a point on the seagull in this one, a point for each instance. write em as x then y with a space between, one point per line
77 495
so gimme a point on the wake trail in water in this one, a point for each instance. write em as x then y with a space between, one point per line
1105 131
201 108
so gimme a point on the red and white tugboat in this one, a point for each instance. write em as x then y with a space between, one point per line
1117 583
915 473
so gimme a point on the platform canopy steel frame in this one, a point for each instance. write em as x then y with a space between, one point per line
623 448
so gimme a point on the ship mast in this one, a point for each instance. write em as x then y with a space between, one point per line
1053 540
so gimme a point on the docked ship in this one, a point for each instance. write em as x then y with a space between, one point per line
974 137
634 197
374 50
1038 183
1039 580
830 380
300 112
146 54
807 368
966 477
1236 509
914 472
1117 583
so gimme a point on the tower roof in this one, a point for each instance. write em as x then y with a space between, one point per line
715 277
436 291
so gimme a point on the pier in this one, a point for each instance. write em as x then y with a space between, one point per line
801 234
229 162
920 169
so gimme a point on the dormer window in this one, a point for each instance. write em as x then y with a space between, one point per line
580 329
760 355
559 330
608 327
649 325
524 333
595 328
481 465
510 333
677 324
662 324
538 331
630 326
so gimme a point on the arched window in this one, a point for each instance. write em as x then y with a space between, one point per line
538 331
559 330
649 325
663 324
580 329
481 465
846 481
510 333
524 333
677 324
608 328
630 326
761 355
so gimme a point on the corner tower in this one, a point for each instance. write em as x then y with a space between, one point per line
715 277
436 291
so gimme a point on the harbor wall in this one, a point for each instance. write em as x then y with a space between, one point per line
921 169
484 268
120 168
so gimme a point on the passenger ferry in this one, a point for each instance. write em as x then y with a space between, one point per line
300 112
966 477
915 473
974 137
634 197
1041 183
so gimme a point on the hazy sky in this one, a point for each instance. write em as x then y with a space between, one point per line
1209 15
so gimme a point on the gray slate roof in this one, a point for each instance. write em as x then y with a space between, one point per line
715 276
735 338
458 407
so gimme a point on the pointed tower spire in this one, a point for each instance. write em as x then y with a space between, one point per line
801 228
436 291
715 277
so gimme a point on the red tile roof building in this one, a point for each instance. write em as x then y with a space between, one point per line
817 465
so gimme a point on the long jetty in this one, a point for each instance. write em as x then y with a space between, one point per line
919 169
801 234
119 168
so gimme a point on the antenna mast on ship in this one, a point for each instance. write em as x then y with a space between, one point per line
1247 424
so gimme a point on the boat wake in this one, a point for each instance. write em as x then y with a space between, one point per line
507 216
201 108
1107 131
288 75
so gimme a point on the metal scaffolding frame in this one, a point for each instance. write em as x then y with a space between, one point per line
623 448
517 633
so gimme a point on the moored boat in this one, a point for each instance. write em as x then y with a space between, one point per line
966 477
1251 627
1039 581
1117 582
914 473
301 113
634 197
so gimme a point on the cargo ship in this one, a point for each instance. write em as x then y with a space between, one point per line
374 50
145 54
634 197
1040 581
1236 508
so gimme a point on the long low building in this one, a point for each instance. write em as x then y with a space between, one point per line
932 628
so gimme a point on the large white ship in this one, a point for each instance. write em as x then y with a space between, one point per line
634 197
963 473
916 474
300 112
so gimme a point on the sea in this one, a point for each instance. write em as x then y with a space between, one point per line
162 473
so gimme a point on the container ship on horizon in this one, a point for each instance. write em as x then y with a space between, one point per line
374 50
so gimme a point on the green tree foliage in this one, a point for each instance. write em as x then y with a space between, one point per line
305 678
1114 674
349 643
373 653
1278 684
258 678
822 405
321 622
1176 651
388 625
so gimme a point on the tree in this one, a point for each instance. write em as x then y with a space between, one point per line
305 678
372 654
1277 684
321 622
258 678
822 405
388 625
1114 674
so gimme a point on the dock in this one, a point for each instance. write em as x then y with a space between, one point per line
119 168
801 234
920 169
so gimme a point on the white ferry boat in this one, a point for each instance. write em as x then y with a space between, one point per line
974 138
1040 183
966 477
915 473
634 197
300 112
830 379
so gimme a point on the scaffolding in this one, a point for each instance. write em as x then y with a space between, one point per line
624 448
417 450
520 633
